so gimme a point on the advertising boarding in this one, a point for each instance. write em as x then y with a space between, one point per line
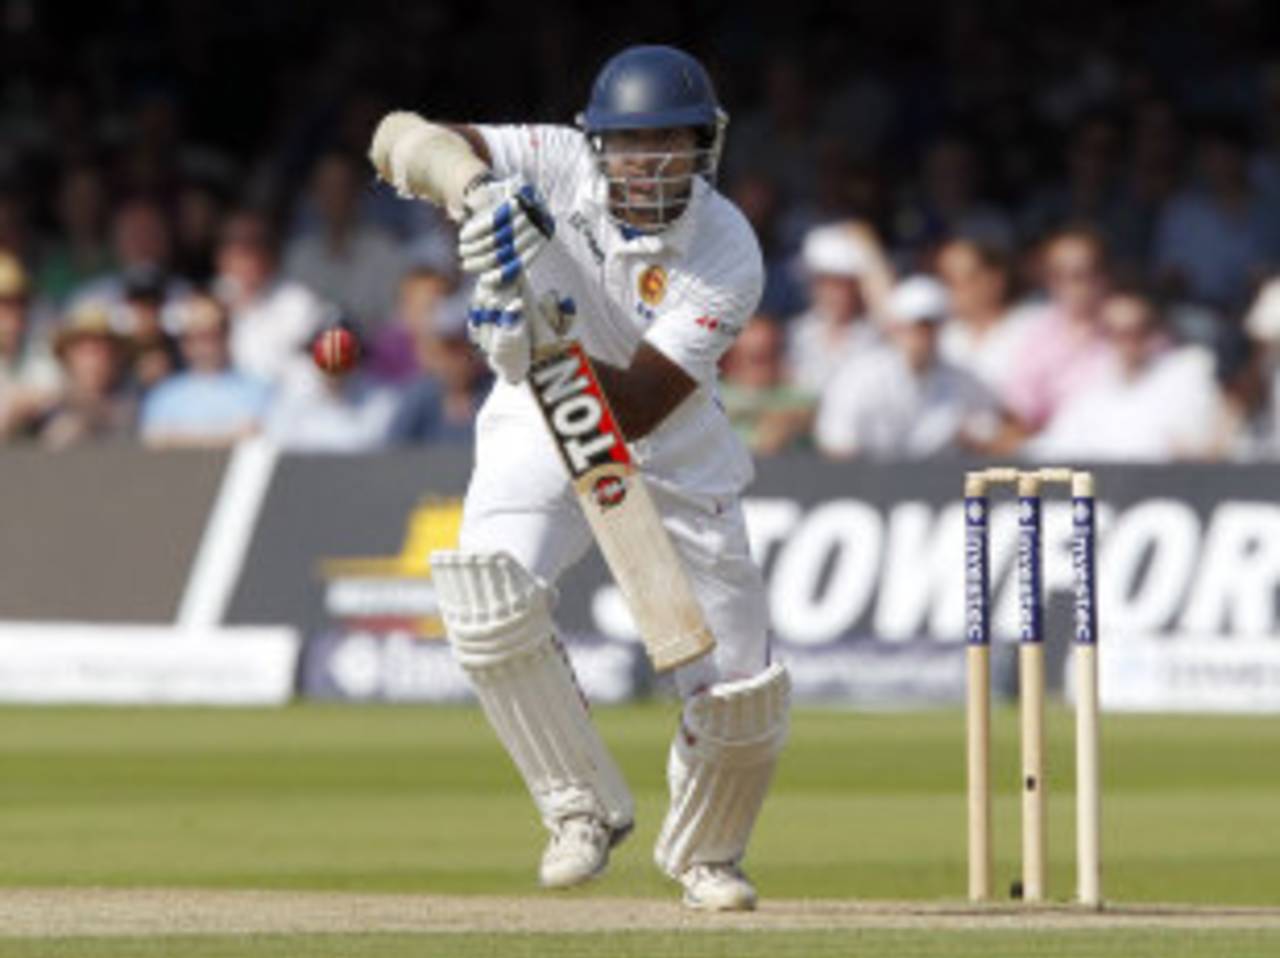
864 570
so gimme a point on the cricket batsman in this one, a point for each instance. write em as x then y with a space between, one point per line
616 223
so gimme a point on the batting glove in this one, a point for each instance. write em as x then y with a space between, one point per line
507 227
496 324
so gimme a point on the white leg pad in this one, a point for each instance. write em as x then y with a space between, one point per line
499 624
719 769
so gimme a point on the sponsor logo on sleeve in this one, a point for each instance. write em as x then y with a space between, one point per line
713 324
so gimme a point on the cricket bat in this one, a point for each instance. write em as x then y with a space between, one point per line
618 506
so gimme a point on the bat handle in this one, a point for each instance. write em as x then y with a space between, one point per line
530 300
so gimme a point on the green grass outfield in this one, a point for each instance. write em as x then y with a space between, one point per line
866 806
900 944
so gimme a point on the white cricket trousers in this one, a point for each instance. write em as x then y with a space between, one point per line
520 501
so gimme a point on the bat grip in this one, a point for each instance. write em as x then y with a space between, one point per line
530 300
537 214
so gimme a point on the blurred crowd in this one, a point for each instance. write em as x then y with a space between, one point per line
988 228
960 356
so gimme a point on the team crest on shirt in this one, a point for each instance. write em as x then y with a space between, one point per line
653 285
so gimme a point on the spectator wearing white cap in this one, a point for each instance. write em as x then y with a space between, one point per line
902 400
847 277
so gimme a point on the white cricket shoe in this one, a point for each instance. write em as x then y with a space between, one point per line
717 887
578 850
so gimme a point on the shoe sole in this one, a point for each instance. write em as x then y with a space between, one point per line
697 905
563 886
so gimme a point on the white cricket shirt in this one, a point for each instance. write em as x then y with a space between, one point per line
687 291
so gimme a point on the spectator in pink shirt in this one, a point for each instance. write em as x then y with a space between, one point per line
1063 349
1154 400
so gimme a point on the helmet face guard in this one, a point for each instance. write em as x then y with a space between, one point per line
652 88
648 190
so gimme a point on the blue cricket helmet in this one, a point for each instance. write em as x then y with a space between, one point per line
653 88
649 87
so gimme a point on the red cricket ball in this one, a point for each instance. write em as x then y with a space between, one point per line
336 351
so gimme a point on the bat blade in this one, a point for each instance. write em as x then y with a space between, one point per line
618 506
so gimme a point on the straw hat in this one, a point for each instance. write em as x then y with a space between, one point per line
92 320
13 277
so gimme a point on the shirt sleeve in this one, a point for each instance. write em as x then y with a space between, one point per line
707 311
542 154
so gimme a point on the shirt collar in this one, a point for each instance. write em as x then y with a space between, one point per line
674 239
